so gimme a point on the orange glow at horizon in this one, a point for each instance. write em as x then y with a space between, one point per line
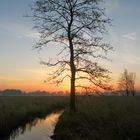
36 86
32 80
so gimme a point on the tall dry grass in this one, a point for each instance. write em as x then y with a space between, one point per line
101 118
15 111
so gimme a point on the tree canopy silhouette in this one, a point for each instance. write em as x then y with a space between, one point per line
127 82
78 26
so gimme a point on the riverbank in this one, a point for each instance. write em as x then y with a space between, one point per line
101 118
17 111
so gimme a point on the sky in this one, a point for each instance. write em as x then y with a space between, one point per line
19 62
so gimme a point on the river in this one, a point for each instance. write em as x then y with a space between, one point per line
39 129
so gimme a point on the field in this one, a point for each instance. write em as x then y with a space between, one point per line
16 111
101 118
97 118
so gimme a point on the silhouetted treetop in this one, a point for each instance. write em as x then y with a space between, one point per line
78 26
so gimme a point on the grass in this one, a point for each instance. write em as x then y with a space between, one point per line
101 118
16 111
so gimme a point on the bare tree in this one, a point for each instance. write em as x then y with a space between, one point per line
123 82
127 82
132 77
78 27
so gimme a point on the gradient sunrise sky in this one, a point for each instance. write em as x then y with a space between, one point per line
19 63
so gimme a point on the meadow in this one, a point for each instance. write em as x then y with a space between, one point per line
101 118
17 111
96 118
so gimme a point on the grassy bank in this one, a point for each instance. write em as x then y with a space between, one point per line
15 111
101 118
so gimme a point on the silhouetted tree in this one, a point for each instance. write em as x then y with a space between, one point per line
78 26
127 82
132 77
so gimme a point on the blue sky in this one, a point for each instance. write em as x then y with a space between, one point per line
124 35
19 63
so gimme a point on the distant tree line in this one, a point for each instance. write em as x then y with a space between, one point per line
11 92
18 92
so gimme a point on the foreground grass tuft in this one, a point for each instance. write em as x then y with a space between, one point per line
101 118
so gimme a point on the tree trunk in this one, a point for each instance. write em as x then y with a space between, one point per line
72 67
72 90
72 87
127 92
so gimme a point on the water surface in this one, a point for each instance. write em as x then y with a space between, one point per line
39 129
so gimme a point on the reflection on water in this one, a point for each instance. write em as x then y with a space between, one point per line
39 129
